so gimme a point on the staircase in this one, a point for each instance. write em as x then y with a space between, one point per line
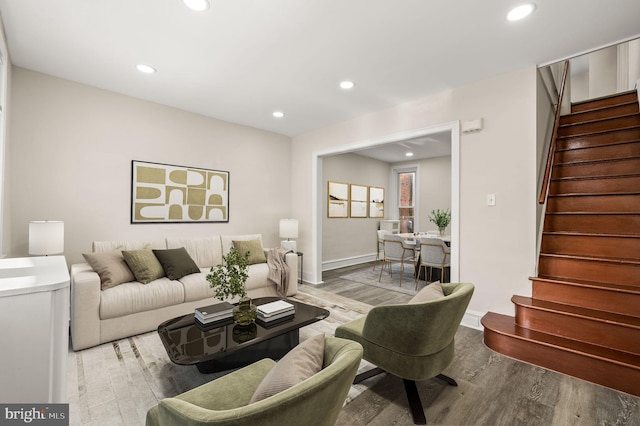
584 317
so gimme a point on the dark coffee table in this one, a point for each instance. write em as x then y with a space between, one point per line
227 345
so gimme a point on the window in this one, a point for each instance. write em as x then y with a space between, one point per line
406 200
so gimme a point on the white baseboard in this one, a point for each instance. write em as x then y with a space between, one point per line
348 261
472 319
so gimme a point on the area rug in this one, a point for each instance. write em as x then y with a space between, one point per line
116 383
387 281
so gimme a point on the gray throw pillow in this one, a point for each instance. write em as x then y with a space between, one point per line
176 262
431 292
111 268
299 364
144 264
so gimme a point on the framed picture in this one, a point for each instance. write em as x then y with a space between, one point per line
164 193
358 201
376 201
338 199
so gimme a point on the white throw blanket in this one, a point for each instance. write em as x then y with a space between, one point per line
278 269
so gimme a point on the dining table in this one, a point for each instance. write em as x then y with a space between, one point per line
410 238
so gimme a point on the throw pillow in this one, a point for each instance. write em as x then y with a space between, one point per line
111 268
176 262
431 292
143 264
254 247
299 364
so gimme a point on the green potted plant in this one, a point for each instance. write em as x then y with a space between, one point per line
229 280
441 218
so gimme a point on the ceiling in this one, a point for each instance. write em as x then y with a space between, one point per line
243 59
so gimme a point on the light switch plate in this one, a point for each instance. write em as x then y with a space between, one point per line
491 200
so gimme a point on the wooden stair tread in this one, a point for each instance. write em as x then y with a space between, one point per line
578 311
621 288
591 234
604 107
604 259
600 145
506 325
597 161
594 177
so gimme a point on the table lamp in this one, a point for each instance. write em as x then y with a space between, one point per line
46 237
288 230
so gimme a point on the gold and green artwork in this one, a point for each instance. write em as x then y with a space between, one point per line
162 193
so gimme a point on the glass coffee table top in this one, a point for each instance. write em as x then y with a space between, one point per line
188 342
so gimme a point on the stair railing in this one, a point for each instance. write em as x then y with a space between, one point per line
544 191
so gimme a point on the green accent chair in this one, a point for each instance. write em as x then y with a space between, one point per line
225 401
413 341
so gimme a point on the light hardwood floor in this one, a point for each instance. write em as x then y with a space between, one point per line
492 389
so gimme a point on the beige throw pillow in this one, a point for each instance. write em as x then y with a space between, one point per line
111 268
143 264
299 364
254 247
431 292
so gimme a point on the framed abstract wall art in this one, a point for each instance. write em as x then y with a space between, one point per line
376 202
358 201
165 193
338 199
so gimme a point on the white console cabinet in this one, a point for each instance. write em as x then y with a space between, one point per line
34 329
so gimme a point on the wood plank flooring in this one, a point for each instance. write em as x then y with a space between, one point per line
492 389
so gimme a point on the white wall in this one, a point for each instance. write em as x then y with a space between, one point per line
497 244
350 240
71 148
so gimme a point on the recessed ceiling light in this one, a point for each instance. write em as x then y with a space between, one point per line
409 154
197 5
347 84
278 114
147 69
521 12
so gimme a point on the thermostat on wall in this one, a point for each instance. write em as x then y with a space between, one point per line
472 126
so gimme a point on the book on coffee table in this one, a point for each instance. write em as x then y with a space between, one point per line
272 309
212 313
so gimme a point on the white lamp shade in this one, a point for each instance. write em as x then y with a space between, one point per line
46 237
288 228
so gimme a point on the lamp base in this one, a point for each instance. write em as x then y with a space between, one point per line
288 245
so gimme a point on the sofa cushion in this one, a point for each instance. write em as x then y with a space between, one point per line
111 268
206 251
227 240
254 247
144 264
196 286
299 364
130 298
431 292
100 246
176 262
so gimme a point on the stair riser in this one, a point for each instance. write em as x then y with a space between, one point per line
589 270
611 224
618 185
615 376
602 139
599 126
612 111
594 204
605 168
604 102
587 297
600 153
592 246
614 336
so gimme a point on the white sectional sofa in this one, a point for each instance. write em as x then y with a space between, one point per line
101 313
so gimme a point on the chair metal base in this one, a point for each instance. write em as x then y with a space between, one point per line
410 388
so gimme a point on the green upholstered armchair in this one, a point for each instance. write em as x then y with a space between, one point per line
225 401
413 341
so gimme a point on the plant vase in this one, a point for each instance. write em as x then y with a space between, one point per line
443 231
245 312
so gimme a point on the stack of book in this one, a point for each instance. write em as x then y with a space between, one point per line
214 314
280 310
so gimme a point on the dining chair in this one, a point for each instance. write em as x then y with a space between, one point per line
398 251
380 248
434 253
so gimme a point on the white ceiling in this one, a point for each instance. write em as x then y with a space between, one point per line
242 59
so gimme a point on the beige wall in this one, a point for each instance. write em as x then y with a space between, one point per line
71 148
351 239
497 244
